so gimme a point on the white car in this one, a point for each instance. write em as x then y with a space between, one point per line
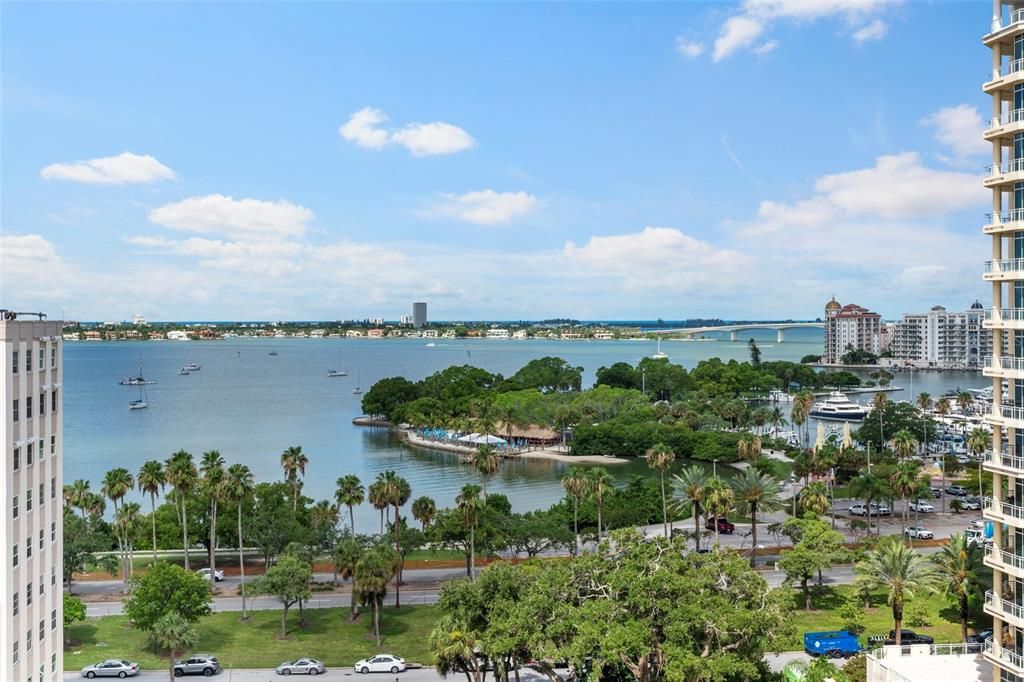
919 532
205 572
381 663
922 507
969 504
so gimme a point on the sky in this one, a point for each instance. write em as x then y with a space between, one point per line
297 161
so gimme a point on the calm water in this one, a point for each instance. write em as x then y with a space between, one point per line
250 405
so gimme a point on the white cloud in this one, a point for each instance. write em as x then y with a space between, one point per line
421 139
126 168
766 47
689 48
737 33
32 271
483 207
219 213
960 129
876 30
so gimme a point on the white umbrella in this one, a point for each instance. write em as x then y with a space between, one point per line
847 438
819 440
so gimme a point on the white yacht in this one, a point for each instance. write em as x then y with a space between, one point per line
192 367
837 407
777 395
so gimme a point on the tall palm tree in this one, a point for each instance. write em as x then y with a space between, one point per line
238 488
116 484
485 461
900 571
600 485
814 497
878 404
925 403
399 492
564 415
212 468
719 500
484 416
756 492
824 461
903 444
470 505
346 555
964 401
126 521
376 496
978 442
871 488
942 406
350 493
151 481
423 510
323 519
94 505
78 495
373 572
905 479
688 489
805 400
960 566
575 483
293 462
182 476
660 458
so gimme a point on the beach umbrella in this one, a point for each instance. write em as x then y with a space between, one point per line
847 438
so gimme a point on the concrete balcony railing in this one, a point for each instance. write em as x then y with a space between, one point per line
999 23
1004 221
999 171
1008 69
1013 464
1008 415
1003 318
1005 561
1012 116
1010 268
1004 511
1004 608
1005 658
1004 366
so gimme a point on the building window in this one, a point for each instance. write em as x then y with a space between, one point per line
14 507
28 547
53 531
14 362
14 656
14 410
42 535
28 360
53 401
42 404
42 449
53 488
53 574
42 358
17 458
28 500
28 594
28 639
53 663
42 584
53 357
53 443
53 619
28 455
14 552
28 407
14 604
42 492
42 630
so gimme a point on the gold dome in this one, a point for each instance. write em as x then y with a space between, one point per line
833 305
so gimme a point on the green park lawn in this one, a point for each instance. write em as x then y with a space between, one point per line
254 643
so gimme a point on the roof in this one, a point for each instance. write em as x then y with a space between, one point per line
833 304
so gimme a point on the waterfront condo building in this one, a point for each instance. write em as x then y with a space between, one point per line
419 314
31 486
850 326
941 339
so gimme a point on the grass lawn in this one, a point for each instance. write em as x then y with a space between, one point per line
254 643
944 623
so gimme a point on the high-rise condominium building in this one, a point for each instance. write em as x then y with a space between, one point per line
419 314
31 485
850 326
941 339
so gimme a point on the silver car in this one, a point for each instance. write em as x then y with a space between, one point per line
301 666
111 668
198 664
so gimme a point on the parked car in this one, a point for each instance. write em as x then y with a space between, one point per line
205 572
956 490
936 492
858 510
301 666
111 668
970 503
198 664
906 637
919 532
977 537
381 663
725 527
880 509
921 506
831 644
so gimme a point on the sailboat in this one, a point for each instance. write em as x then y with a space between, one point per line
658 355
139 380
337 372
141 403
359 380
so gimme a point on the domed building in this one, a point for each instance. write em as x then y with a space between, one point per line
850 326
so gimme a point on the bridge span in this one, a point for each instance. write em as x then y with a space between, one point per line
735 329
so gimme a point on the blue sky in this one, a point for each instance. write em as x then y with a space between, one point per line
600 161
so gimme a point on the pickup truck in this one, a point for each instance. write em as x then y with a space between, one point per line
906 637
724 527
831 644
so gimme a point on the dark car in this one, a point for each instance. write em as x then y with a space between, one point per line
906 637
976 642
724 527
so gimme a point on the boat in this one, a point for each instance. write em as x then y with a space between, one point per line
273 352
141 403
359 380
837 407
183 372
135 381
777 395
658 354
431 345
337 373
192 367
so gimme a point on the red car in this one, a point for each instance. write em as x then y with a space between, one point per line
724 526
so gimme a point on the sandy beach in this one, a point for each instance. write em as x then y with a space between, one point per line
543 453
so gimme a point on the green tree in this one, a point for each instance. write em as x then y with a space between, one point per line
238 489
719 500
294 462
423 510
173 634
485 461
182 476
871 488
373 572
212 485
904 444
151 481
575 483
599 486
347 554
960 568
660 458
689 488
470 505
116 484
900 571
818 549
547 374
350 493
755 353
77 495
814 498
74 611
456 647
167 588
755 492
906 479
386 397
288 581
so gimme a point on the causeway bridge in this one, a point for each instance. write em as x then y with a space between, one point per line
735 329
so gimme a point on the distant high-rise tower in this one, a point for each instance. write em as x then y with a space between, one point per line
31 488
419 314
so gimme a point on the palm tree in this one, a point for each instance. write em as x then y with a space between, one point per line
718 500
375 495
181 475
599 486
508 415
485 461
756 492
174 635
564 415
151 480
238 487
323 519
350 493
78 495
116 484
903 444
879 403
293 462
399 493
469 503
94 505
748 447
688 495
824 461
871 488
212 467
942 406
575 483
814 497
905 480
978 442
803 403
346 556
126 520
901 571
960 566
924 403
484 416
964 401
660 458
423 510
373 572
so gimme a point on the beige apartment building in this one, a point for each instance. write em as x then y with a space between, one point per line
31 485
850 326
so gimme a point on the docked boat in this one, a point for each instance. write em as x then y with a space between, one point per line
192 367
337 373
183 372
777 395
837 407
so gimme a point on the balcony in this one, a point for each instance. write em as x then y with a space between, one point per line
1001 25
1004 367
1005 124
1007 416
1003 318
1004 512
1003 270
1004 561
1006 221
1004 463
1008 74
1004 658
1010 612
1006 172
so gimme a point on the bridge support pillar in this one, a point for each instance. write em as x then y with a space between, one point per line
781 335
732 335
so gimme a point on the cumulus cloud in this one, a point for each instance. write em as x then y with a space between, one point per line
959 128
364 128
219 213
483 207
741 31
689 48
32 270
126 168
766 47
